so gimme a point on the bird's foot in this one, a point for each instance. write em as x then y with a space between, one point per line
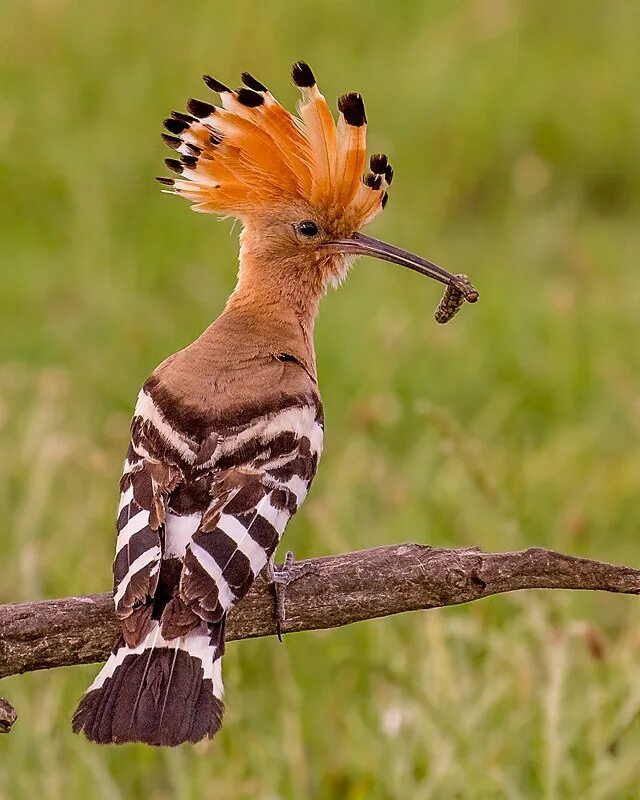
281 576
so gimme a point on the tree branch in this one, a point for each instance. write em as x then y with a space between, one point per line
336 590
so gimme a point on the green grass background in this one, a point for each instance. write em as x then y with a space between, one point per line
514 130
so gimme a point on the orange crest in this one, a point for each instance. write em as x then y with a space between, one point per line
251 155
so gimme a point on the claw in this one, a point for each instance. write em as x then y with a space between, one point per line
281 577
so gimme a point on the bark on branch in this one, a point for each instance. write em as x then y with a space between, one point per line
336 590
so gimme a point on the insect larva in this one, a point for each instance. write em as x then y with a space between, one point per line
453 298
449 305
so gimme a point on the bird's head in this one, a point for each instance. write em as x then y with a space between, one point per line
299 185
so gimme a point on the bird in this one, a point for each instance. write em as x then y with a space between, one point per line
227 433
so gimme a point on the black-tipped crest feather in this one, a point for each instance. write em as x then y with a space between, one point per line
253 83
302 75
352 106
378 163
373 181
215 85
199 108
175 125
172 141
174 165
182 116
249 98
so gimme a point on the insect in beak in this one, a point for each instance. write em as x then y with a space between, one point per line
362 245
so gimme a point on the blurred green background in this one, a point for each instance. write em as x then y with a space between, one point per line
514 130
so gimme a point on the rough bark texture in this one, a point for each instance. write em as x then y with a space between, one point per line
336 590
7 716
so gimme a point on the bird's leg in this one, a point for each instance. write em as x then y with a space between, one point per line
280 577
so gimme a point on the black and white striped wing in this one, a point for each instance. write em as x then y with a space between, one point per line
144 488
198 521
251 504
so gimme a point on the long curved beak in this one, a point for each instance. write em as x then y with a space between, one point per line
362 245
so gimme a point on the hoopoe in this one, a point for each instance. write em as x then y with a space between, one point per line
227 433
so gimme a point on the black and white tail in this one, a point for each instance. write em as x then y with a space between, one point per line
161 692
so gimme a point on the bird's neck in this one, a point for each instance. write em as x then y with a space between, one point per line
273 307
287 299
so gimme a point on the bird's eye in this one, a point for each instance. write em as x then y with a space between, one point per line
308 228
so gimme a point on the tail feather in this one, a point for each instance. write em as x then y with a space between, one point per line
161 692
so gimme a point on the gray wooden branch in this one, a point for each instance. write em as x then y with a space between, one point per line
335 591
